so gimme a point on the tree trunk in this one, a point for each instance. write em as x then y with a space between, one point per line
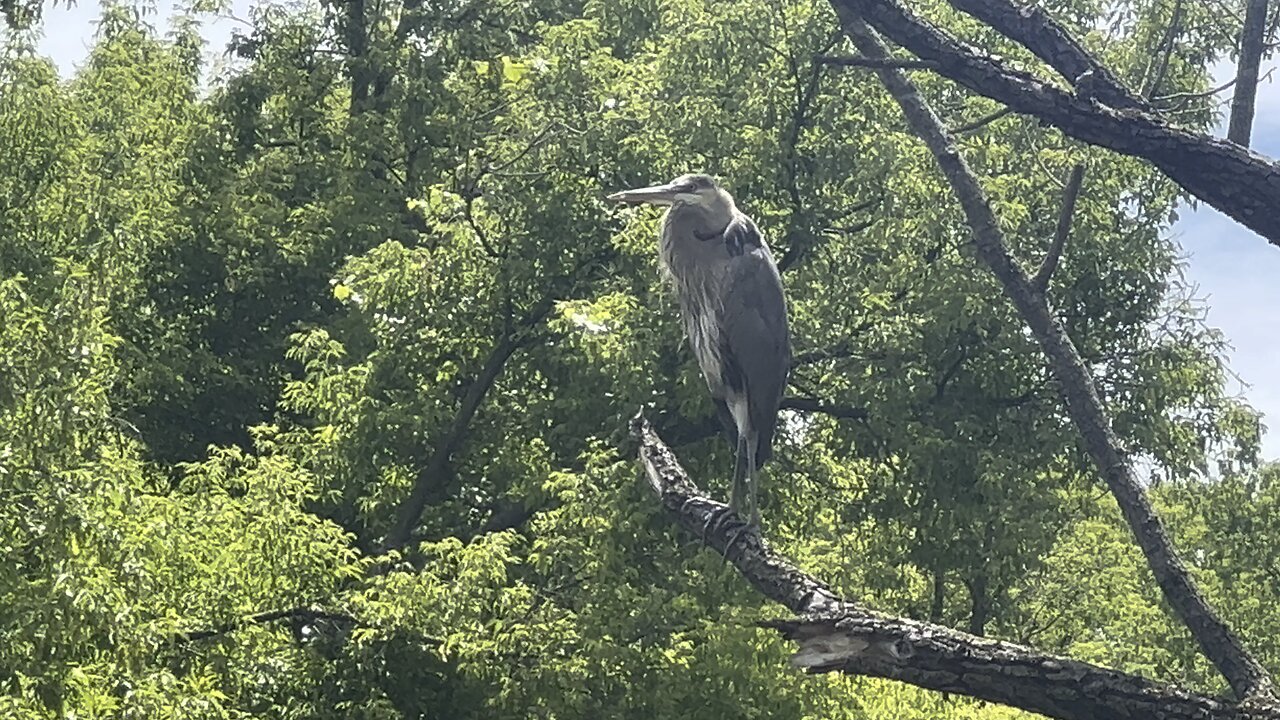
1251 43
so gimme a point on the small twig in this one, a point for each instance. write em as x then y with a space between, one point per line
983 121
1050 263
1193 95
813 405
1164 52
876 63
468 213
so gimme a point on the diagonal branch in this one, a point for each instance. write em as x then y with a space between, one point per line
1223 648
981 122
1032 27
434 480
1243 185
1050 263
1164 51
434 477
836 634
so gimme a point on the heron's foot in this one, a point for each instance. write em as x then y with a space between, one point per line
715 519
684 506
735 534
745 505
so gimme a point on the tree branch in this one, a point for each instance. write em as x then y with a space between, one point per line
306 614
836 634
1242 185
1032 27
434 477
874 63
798 248
981 122
1050 263
1165 51
1252 34
432 482
1223 648
812 405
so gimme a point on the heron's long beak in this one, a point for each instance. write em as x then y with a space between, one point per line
654 195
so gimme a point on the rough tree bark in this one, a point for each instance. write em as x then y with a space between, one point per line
1243 185
1042 35
1240 127
1223 648
838 635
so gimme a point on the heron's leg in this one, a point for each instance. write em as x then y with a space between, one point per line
739 492
753 481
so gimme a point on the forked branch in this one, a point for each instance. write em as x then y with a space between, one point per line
1243 185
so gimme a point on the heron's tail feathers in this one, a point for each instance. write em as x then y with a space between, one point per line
764 438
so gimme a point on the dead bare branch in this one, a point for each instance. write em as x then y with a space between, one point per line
839 635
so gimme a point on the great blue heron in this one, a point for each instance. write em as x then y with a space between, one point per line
734 314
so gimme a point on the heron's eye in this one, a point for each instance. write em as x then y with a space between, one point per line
688 188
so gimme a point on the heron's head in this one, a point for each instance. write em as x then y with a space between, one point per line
697 189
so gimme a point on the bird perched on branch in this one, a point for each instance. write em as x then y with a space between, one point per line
734 313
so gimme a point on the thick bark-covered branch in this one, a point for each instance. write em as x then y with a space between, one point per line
1243 185
1032 27
1240 127
836 634
773 576
1223 648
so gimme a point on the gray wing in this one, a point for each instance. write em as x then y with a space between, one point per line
756 345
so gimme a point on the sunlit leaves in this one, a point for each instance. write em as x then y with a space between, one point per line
240 326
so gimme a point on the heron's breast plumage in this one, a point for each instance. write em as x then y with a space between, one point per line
698 270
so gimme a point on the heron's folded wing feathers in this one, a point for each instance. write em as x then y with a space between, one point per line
757 344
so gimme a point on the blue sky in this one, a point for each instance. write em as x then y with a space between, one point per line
1237 272
1239 275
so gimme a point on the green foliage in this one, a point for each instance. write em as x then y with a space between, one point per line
242 327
